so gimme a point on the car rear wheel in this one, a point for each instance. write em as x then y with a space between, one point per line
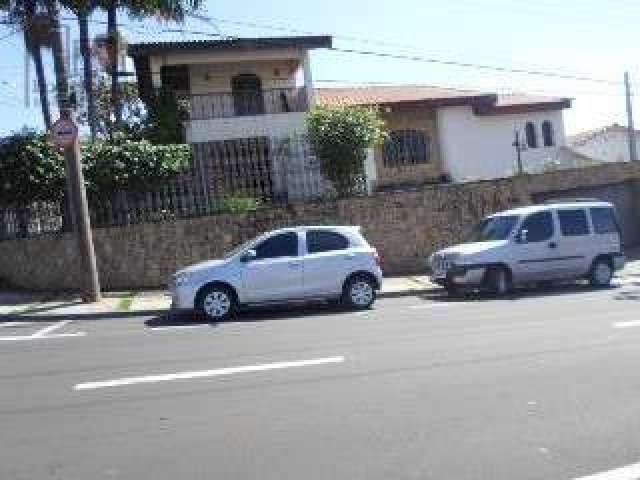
601 273
359 292
497 281
217 302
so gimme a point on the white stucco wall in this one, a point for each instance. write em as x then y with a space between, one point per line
477 147
275 125
607 147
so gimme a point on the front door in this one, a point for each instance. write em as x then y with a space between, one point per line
247 95
536 255
276 273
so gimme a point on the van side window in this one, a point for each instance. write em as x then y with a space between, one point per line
604 220
573 222
539 227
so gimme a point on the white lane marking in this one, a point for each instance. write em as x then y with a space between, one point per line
630 472
46 337
177 327
635 323
207 373
434 305
15 324
51 328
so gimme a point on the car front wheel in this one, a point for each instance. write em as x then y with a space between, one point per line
217 302
359 293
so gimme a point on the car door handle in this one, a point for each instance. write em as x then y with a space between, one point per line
295 264
553 245
350 256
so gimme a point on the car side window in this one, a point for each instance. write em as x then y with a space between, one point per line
573 223
604 220
539 227
325 241
281 245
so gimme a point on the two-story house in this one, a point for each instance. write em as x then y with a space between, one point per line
247 102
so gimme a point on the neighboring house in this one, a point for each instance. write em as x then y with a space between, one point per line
606 144
248 97
464 135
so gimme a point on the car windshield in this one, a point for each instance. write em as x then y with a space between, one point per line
493 228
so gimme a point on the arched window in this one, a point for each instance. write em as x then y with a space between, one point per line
406 147
247 94
530 134
547 133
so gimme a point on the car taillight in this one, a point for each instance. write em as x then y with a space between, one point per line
377 258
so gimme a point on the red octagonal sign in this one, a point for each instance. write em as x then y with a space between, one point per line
64 132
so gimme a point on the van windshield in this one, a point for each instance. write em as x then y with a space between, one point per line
493 228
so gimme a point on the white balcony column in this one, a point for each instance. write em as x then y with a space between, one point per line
308 79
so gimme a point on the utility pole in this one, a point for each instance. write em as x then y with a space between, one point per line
516 143
633 154
65 134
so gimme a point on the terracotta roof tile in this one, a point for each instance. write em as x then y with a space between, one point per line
389 94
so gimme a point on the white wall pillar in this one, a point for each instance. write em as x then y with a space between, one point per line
370 171
308 78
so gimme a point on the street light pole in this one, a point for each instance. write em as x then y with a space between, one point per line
633 154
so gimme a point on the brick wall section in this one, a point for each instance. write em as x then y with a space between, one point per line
404 226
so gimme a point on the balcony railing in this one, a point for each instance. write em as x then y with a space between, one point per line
246 103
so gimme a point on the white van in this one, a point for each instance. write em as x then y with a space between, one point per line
540 243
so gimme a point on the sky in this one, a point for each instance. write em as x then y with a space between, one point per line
592 42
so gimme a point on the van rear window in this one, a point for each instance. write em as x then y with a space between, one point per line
604 220
573 222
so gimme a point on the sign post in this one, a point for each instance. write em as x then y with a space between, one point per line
64 134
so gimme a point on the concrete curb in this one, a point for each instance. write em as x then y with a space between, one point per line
409 292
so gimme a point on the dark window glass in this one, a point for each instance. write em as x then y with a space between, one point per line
282 245
573 222
539 227
547 133
324 241
175 77
530 133
493 228
406 147
604 220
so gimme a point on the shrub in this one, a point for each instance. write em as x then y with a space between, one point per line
340 136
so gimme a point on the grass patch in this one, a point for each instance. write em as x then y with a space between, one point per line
124 304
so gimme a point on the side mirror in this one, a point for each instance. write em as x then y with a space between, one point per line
248 256
521 236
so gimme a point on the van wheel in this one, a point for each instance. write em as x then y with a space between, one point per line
497 281
216 302
601 273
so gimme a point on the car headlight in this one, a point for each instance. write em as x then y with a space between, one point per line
182 279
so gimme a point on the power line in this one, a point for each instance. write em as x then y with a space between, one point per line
455 63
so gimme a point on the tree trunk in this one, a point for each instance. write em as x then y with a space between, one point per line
85 50
35 51
62 94
112 33
60 68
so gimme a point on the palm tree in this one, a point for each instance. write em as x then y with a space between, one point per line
82 10
36 34
171 10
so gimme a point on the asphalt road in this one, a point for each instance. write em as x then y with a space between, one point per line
544 385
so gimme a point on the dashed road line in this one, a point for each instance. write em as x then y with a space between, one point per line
630 472
207 373
634 323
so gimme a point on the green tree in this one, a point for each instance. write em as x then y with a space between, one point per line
340 137
82 10
169 10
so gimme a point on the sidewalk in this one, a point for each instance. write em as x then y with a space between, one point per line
129 303
13 303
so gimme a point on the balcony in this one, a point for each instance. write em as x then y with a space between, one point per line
246 103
